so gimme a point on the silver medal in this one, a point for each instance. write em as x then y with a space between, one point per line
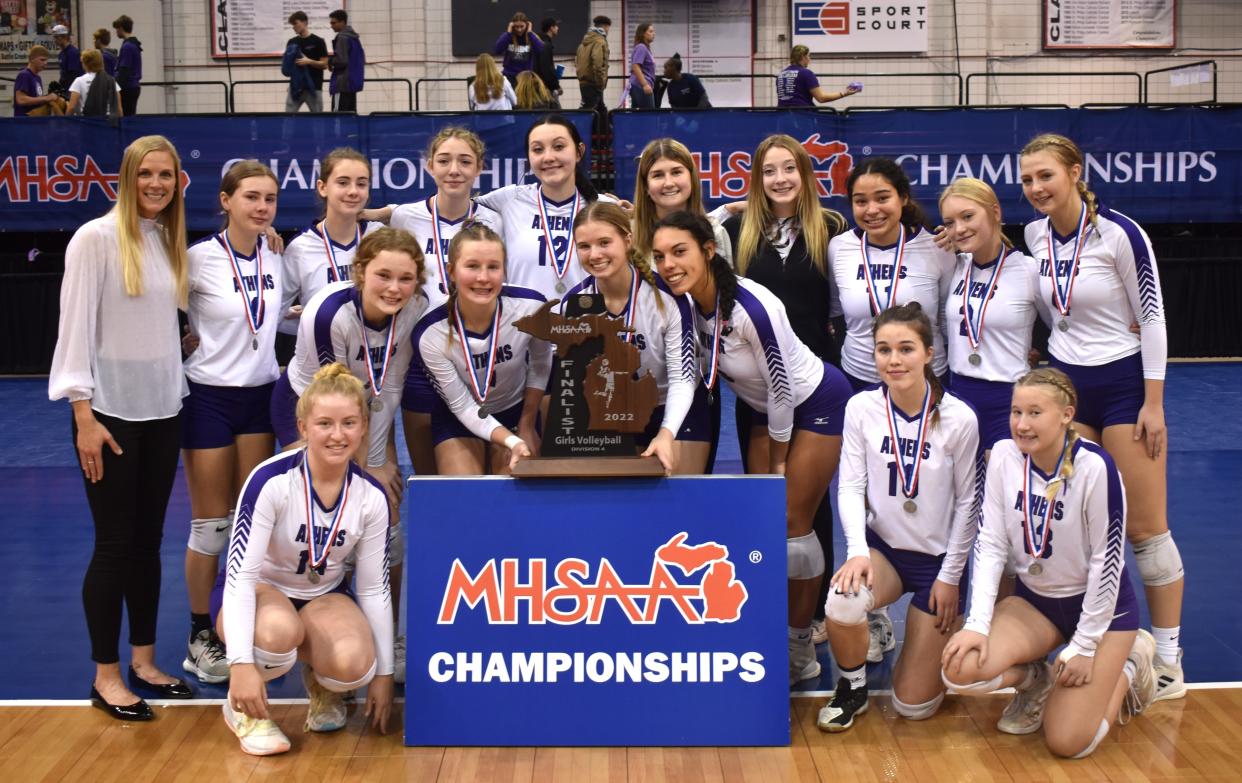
1035 569
254 344
711 399
975 360
560 286
910 506
377 404
312 575
1063 325
483 412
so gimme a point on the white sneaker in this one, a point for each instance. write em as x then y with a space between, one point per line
819 631
205 658
326 711
259 737
880 636
398 660
1025 712
802 662
1142 690
1170 681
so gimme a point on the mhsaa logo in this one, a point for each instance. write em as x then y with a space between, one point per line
65 178
730 178
579 593
821 18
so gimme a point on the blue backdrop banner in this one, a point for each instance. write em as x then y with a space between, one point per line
1156 165
568 612
59 172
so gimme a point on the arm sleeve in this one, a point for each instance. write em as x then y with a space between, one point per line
451 388
834 304
290 287
72 373
991 552
340 54
680 358
1104 507
1042 306
124 64
496 199
539 368
967 493
1136 265
948 264
852 481
509 93
252 530
382 420
502 43
769 354
371 580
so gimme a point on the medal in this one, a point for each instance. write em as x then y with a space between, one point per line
255 305
1063 290
974 319
908 473
1035 569
975 359
559 265
334 272
1037 537
483 413
894 273
377 379
711 399
438 243
316 558
713 361
479 387
631 306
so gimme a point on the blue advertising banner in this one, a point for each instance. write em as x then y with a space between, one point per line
608 612
59 172
1156 165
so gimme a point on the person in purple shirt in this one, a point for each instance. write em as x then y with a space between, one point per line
28 88
129 65
70 58
102 39
520 47
642 68
798 86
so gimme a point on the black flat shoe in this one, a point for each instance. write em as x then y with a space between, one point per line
173 690
134 712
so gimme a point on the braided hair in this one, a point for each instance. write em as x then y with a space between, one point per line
1068 155
1063 390
613 215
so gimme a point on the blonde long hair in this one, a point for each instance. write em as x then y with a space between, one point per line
172 218
530 92
1065 393
644 208
1068 155
488 83
811 216
334 378
613 215
981 193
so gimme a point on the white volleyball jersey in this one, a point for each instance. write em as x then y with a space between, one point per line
270 544
1008 319
522 362
924 277
416 219
760 356
1117 284
946 497
530 262
218 313
664 336
312 261
1083 544
332 329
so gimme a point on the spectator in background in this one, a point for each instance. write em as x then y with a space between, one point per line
642 68
28 97
490 91
347 62
89 100
684 90
70 58
531 94
305 60
520 47
102 39
591 65
798 86
128 65
545 62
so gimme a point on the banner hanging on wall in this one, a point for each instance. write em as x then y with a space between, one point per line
244 28
1110 24
854 26
24 23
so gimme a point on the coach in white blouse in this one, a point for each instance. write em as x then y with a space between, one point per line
118 361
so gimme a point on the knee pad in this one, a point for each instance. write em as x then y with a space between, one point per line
917 711
1159 562
336 686
847 608
396 544
1100 734
806 556
209 536
272 665
971 689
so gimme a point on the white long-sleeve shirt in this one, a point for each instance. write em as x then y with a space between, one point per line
1008 321
121 352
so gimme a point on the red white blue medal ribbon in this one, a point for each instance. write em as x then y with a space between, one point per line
631 306
908 472
377 379
333 270
559 265
1063 290
894 275
255 306
974 320
1037 542
317 555
436 242
479 388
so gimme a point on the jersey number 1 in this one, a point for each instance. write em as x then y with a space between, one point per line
893 486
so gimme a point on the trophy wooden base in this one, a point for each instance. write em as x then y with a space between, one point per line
588 467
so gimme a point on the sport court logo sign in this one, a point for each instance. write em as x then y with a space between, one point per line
860 26
821 18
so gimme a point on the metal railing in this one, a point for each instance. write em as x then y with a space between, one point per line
409 88
1146 94
1138 79
980 107
224 89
